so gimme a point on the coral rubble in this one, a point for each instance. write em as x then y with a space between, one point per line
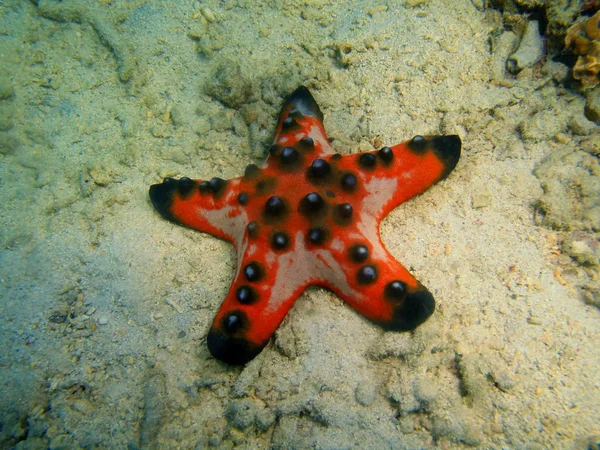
583 39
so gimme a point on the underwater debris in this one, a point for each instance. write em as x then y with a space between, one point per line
583 39
530 51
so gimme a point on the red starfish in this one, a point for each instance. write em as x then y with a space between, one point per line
310 216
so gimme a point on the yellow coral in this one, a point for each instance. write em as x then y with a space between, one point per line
584 40
592 27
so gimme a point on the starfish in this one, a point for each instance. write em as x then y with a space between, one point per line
309 216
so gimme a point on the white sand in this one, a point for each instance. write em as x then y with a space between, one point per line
105 306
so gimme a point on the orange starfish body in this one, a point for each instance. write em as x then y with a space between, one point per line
310 216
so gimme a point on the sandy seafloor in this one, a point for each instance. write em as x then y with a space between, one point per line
105 306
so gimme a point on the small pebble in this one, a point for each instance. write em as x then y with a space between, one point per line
581 125
72 296
366 393
6 90
543 125
102 320
58 317
426 391
481 200
241 413
174 305
592 105
208 15
503 380
530 49
562 138
264 419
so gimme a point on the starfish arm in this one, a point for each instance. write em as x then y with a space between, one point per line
385 178
299 134
265 287
378 287
418 164
208 206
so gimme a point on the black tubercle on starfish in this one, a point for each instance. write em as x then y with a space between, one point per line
243 198
306 143
395 290
290 124
358 253
343 214
367 274
349 182
217 185
280 240
418 144
319 168
367 161
246 295
253 271
275 206
252 229
185 186
289 155
312 206
318 235
205 188
251 171
386 155
234 322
